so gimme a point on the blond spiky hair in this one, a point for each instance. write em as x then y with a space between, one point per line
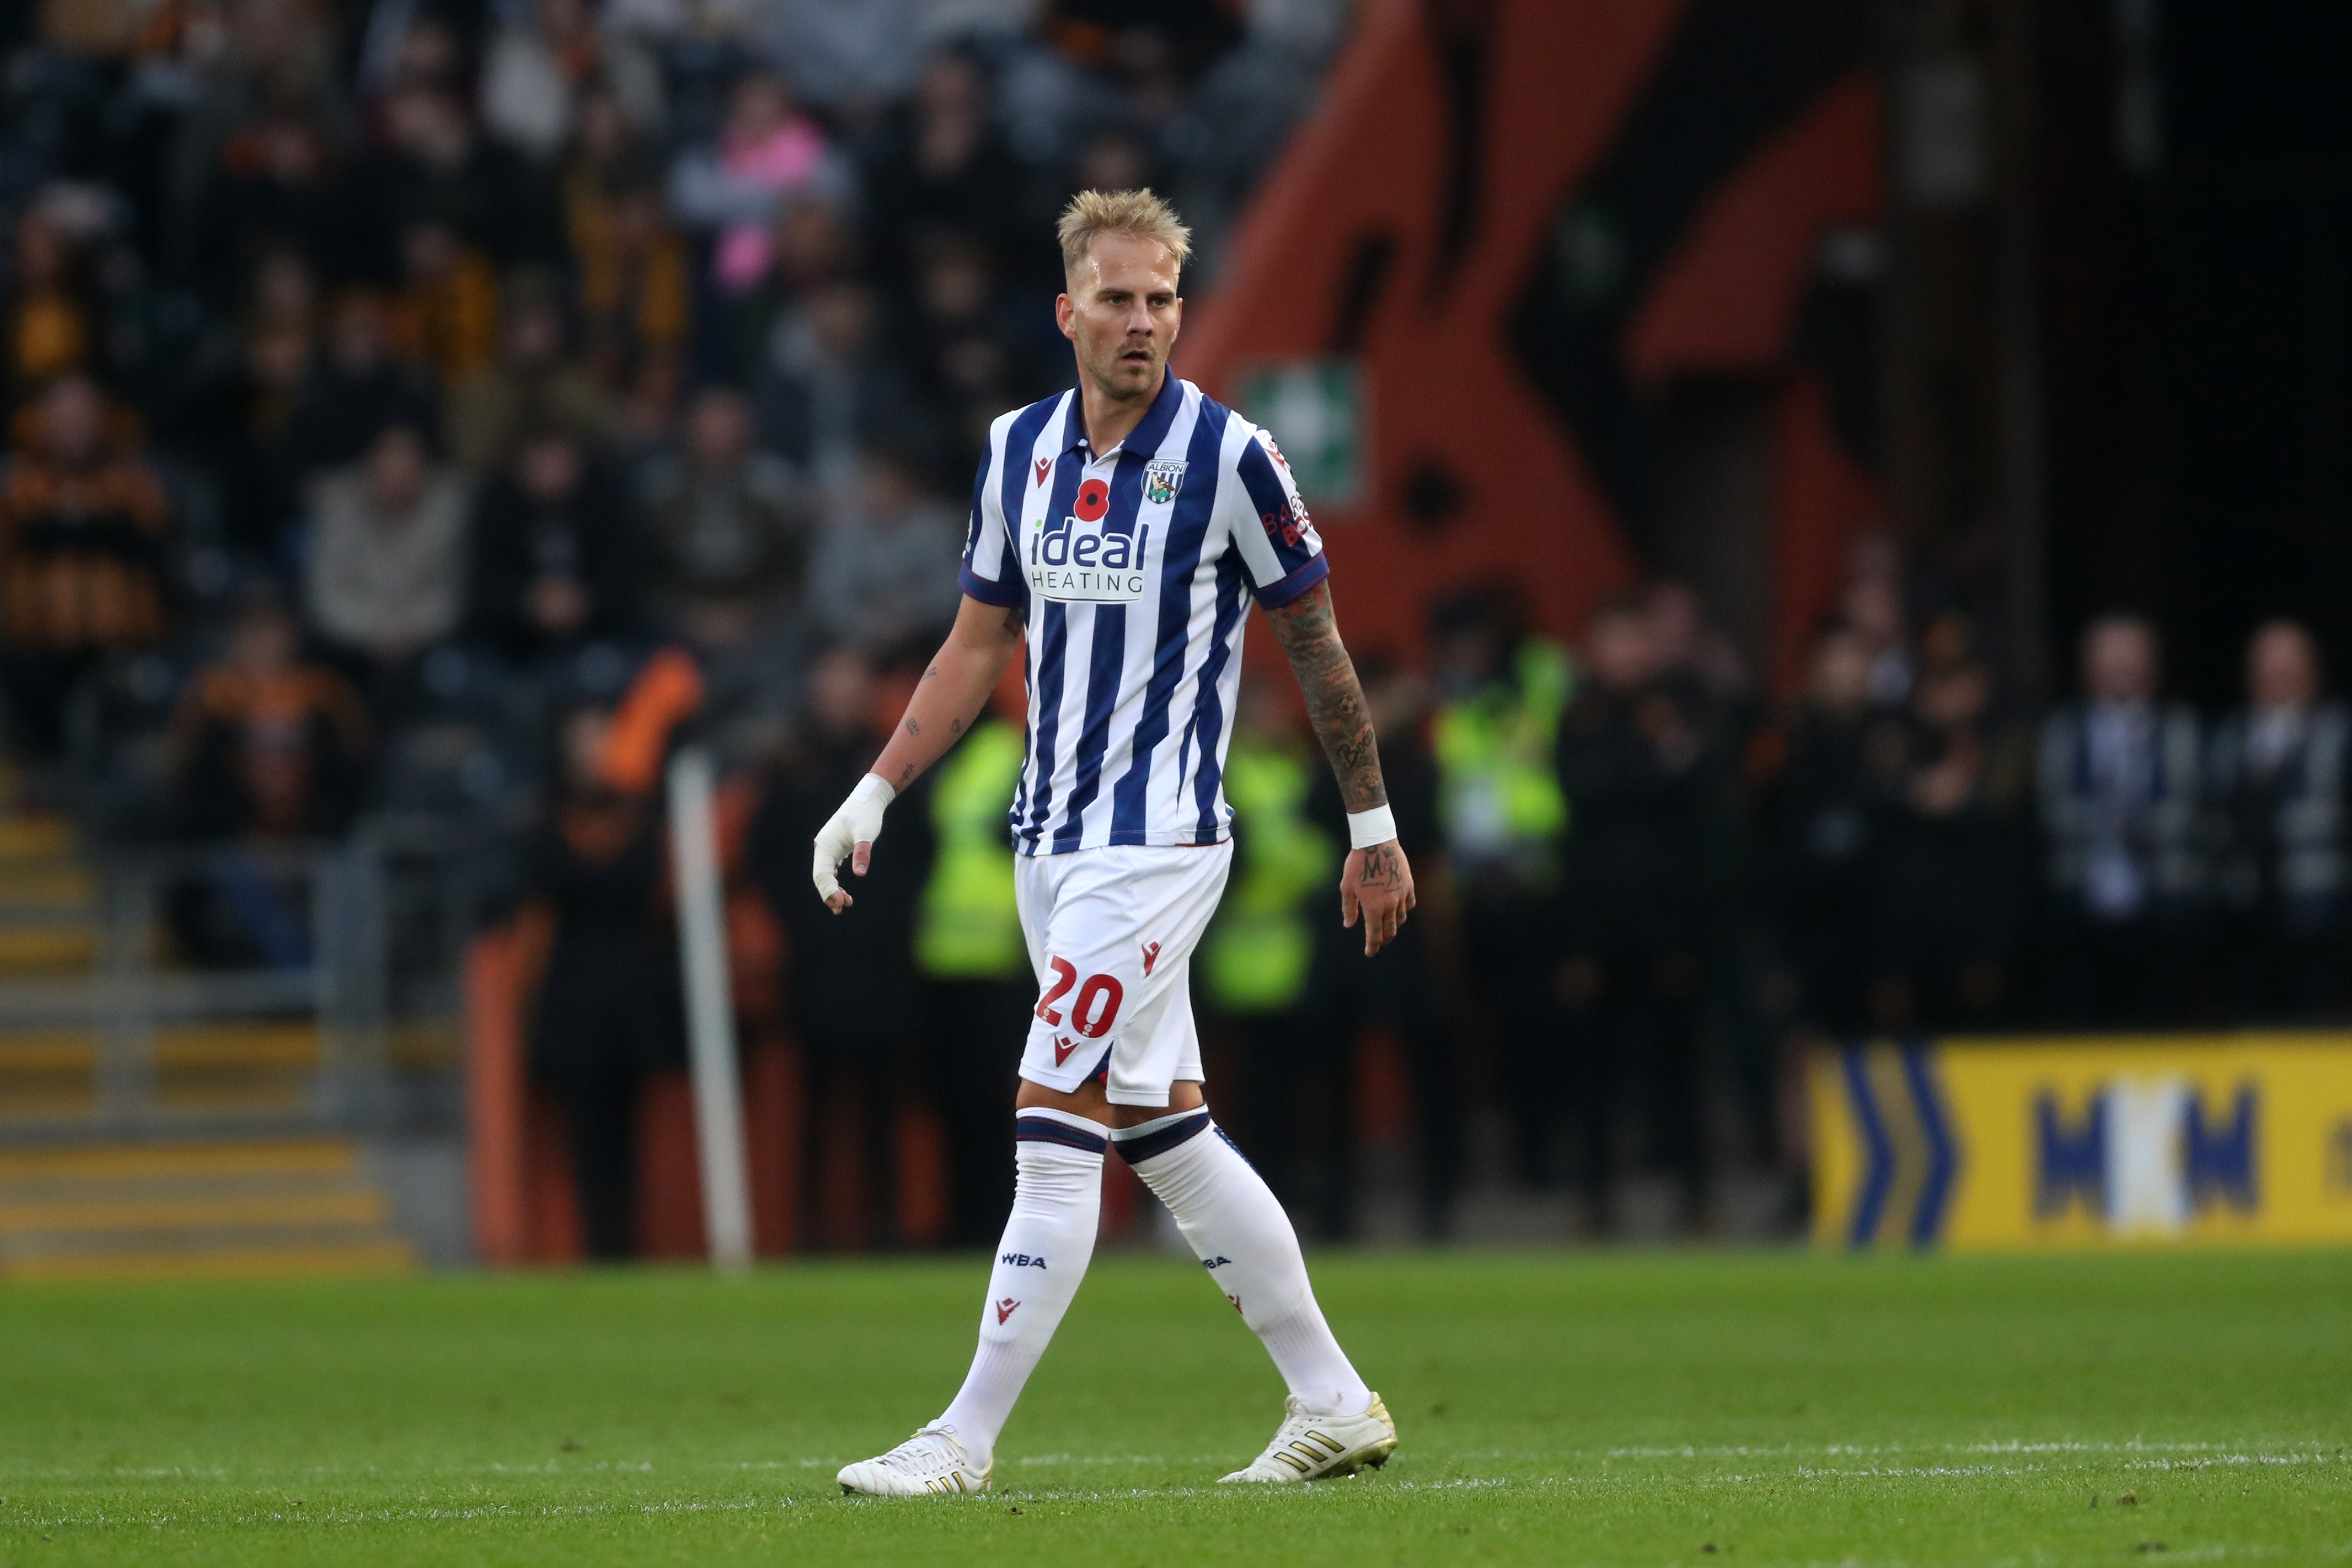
1137 212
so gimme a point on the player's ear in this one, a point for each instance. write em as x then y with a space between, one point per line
1066 312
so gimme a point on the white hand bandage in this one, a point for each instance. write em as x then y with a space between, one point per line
859 821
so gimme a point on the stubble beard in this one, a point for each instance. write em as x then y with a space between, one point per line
1111 378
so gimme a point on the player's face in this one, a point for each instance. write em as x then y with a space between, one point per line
1123 313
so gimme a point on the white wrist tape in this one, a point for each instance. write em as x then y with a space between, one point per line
872 785
1365 829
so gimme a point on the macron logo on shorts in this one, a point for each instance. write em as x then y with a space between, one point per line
1151 956
1062 1046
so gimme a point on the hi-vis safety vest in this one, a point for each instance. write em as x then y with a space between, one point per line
969 928
1258 950
1499 796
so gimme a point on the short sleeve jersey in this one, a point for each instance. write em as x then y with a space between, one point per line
1135 569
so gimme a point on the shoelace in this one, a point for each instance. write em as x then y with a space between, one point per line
922 1460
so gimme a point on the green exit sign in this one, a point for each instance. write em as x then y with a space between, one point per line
1315 408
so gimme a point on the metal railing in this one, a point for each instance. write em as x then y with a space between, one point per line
367 932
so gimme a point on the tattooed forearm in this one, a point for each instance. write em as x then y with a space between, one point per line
1310 633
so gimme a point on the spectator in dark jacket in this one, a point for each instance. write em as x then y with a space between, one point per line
1822 821
241 421
1944 914
607 1011
943 170
554 565
855 997
2278 770
434 168
1641 893
729 535
274 188
356 388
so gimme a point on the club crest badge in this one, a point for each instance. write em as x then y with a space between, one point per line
1162 477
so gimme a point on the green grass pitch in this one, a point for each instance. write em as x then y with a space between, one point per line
1628 1408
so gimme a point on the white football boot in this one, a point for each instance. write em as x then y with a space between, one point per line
931 1463
1307 1447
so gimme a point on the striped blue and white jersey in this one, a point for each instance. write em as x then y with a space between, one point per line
1135 567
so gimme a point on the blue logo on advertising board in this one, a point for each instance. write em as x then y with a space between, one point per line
2146 1154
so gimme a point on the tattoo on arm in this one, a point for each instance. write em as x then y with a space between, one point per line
1335 704
912 727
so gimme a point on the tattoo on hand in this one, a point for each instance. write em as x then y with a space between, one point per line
1383 867
1309 634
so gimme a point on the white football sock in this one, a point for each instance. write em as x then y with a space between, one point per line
1048 1239
1240 1233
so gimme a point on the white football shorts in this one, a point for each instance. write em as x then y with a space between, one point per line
1111 932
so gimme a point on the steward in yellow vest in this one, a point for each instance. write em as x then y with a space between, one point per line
1255 963
1502 693
1258 950
1499 796
968 927
1395 990
977 984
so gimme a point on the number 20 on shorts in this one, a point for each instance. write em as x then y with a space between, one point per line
1095 1008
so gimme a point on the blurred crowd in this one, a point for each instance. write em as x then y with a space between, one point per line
374 367
426 406
1651 889
390 381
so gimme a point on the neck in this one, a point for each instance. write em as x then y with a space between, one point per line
1108 419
